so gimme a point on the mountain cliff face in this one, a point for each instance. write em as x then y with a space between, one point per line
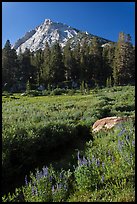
51 32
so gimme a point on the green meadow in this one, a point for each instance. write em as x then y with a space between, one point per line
49 153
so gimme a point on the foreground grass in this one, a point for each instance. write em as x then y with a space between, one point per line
102 173
33 126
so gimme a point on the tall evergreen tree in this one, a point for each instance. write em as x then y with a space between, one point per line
36 60
84 61
9 66
123 69
57 73
69 62
108 57
46 72
26 68
96 61
76 68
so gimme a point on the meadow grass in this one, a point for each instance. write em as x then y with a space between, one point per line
32 126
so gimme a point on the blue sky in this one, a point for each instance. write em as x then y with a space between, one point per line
104 19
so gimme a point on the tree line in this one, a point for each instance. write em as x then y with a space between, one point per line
96 65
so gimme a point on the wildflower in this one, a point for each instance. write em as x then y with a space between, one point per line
36 192
93 158
112 159
98 162
60 185
26 182
53 188
103 164
121 132
119 125
133 142
50 178
119 142
122 143
32 189
109 152
61 175
127 137
37 175
65 187
119 145
84 161
102 178
80 162
78 155
45 171
89 162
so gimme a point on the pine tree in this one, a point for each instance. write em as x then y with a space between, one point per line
96 61
76 68
27 69
69 62
9 67
107 60
46 72
109 82
36 60
84 61
57 73
123 69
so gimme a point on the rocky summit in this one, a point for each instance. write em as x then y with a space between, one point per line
51 32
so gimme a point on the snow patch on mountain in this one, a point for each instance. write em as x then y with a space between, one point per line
51 32
48 31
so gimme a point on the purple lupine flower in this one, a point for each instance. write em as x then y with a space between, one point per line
93 158
26 182
109 152
40 174
119 145
122 142
127 137
119 142
133 142
102 178
78 155
119 126
65 187
61 175
60 185
36 191
79 162
53 188
89 162
121 132
84 161
103 164
45 171
50 178
112 159
37 175
98 162
32 190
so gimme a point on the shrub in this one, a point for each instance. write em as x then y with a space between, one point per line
71 92
57 91
33 93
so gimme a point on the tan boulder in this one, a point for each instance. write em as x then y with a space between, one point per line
107 123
